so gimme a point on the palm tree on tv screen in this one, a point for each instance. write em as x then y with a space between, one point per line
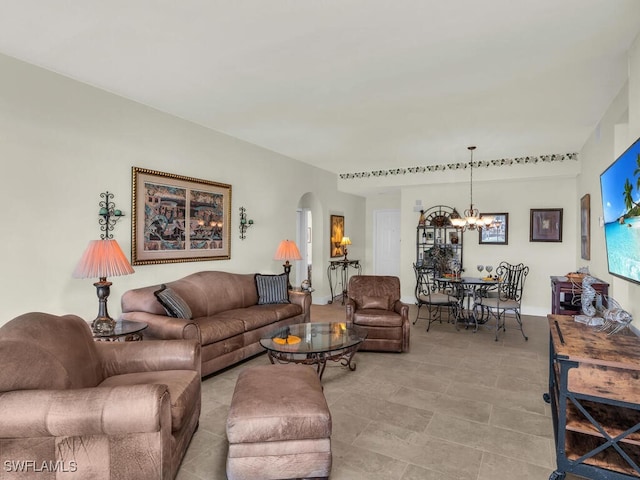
633 209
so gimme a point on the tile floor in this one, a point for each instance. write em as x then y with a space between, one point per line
458 406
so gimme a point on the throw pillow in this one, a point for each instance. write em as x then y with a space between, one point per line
379 303
272 289
173 303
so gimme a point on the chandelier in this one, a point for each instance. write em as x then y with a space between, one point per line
471 218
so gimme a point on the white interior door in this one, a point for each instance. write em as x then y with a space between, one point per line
386 242
303 241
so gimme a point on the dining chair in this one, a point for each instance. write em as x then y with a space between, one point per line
432 295
507 298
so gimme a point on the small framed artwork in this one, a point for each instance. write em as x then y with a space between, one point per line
497 233
337 232
454 238
545 225
429 236
178 219
585 227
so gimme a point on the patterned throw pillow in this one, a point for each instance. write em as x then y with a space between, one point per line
173 303
272 289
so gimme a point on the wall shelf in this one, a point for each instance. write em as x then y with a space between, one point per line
435 230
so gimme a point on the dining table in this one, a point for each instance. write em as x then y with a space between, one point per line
467 290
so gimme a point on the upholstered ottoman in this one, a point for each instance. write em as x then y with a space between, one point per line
279 425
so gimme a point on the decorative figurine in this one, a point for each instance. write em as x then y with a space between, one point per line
611 319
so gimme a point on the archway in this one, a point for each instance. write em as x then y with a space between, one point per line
309 240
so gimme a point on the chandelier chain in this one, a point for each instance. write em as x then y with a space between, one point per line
471 177
472 219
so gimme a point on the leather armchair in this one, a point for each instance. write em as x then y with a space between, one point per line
99 410
373 303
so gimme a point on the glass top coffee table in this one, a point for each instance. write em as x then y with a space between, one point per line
315 344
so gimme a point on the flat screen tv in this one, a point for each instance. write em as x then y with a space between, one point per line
620 188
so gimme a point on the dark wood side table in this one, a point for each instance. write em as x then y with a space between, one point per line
566 294
124 331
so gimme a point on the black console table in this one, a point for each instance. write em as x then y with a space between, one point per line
338 273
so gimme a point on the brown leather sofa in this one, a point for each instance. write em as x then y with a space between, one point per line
226 317
75 408
374 304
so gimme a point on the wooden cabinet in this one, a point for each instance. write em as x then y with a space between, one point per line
437 240
595 400
566 295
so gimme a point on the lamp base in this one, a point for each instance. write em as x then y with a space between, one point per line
103 325
287 270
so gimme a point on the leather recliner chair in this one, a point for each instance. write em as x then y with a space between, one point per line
99 410
373 303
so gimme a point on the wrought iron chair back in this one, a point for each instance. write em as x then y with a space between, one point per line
512 280
430 294
507 298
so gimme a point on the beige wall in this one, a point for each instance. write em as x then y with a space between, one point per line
513 189
607 141
515 197
62 143
516 190
619 127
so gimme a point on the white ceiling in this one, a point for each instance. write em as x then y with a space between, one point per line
348 85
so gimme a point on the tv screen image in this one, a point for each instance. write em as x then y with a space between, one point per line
620 188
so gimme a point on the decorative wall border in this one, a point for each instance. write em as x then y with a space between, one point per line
556 157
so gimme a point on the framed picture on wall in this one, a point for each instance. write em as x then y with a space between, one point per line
497 233
545 225
585 227
336 234
178 219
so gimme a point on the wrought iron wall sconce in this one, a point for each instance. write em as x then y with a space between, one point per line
244 223
104 258
109 215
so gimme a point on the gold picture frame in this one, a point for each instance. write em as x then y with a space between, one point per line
336 234
178 219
